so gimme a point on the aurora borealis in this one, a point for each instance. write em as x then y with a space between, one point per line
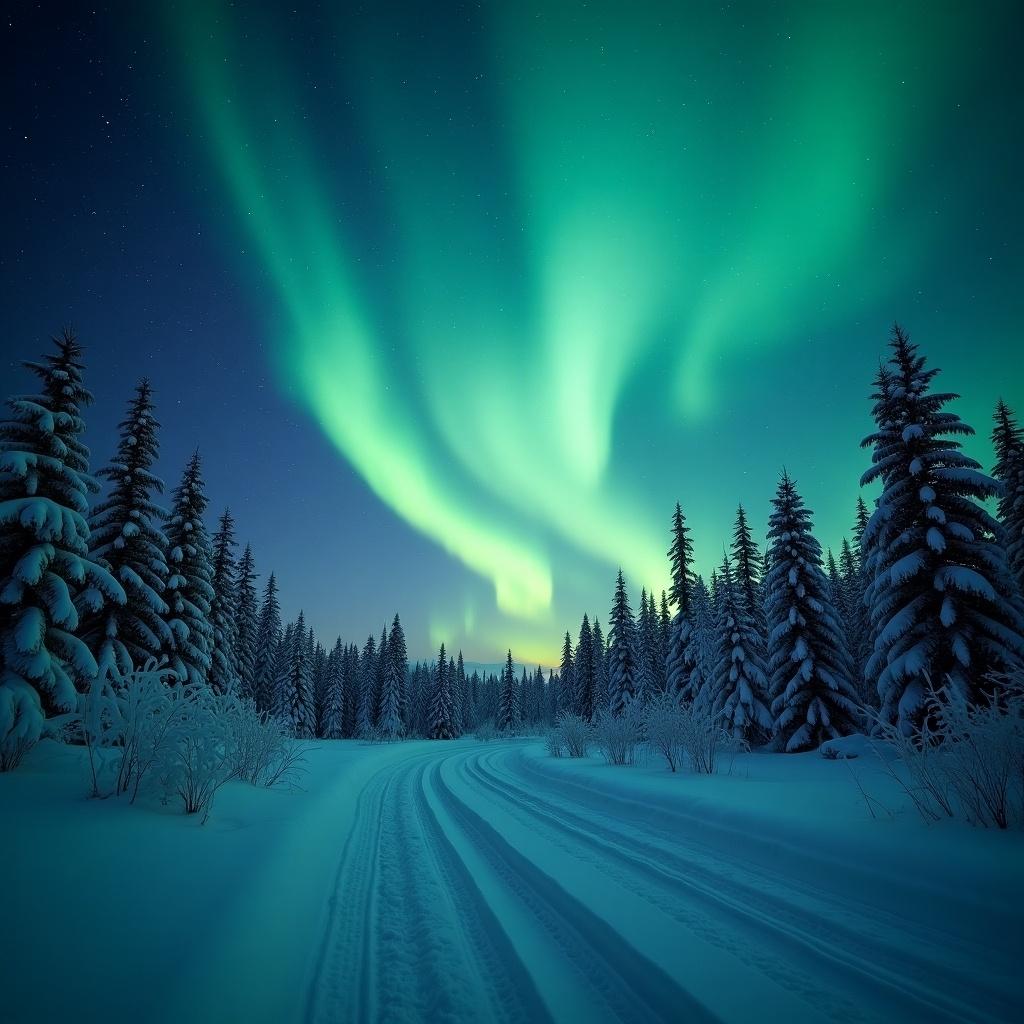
539 270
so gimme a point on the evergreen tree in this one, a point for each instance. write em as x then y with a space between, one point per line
391 712
701 648
646 647
746 574
854 616
283 697
247 619
678 659
741 683
941 600
190 583
567 678
367 674
44 551
460 717
600 670
809 669
509 715
441 725
318 684
623 670
1008 440
127 539
381 671
334 705
298 683
223 661
266 641
352 691
664 637
584 676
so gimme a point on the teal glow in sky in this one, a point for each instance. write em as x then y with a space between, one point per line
540 270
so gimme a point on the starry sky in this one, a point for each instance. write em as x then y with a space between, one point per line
459 299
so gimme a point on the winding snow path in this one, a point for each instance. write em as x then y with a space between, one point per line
485 883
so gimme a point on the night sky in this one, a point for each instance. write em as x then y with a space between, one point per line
458 300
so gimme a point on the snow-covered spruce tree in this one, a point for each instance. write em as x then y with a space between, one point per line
267 639
352 691
646 640
223 659
247 615
367 674
584 672
1008 441
335 692
600 671
567 677
379 675
741 682
296 683
127 538
44 552
701 648
664 636
509 714
459 710
623 671
943 607
809 669
854 615
746 567
679 657
441 727
189 592
319 682
283 697
391 712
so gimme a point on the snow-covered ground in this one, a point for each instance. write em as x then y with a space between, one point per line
472 882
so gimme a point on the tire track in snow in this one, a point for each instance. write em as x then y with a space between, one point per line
619 979
844 952
409 936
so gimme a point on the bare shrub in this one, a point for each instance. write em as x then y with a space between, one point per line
576 732
617 736
485 731
964 760
554 742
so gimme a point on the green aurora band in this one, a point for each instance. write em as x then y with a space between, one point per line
586 226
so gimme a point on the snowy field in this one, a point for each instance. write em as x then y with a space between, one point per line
462 881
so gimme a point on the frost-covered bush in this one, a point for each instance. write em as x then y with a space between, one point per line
617 736
203 757
687 731
147 730
576 732
485 731
554 742
964 760
665 727
265 751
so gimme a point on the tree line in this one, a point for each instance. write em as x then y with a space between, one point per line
92 589
792 647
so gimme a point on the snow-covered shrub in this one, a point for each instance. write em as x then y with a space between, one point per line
576 732
665 728
554 742
485 731
617 736
203 757
963 759
265 752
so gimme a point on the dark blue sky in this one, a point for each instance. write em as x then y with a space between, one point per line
503 187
